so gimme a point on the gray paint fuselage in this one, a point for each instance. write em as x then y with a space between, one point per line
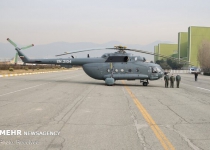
102 68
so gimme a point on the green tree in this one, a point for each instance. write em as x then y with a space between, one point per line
174 64
204 56
163 64
169 64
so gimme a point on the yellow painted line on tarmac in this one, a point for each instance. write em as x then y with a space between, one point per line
157 131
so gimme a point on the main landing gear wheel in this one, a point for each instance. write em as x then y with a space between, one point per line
145 83
109 81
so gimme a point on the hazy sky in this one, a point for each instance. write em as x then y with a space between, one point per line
99 21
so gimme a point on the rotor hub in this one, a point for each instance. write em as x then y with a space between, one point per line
121 49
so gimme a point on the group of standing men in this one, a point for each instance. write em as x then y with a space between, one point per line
172 79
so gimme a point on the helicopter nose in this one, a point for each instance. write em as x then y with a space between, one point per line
162 73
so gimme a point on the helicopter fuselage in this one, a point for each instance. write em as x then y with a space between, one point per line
118 66
123 71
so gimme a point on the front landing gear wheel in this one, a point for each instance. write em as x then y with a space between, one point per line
145 83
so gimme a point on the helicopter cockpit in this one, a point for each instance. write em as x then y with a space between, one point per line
156 70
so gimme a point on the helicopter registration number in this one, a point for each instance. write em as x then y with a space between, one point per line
64 61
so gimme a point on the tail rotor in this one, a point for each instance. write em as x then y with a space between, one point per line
16 47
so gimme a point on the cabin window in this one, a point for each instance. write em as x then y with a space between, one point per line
129 70
122 70
108 70
137 70
116 70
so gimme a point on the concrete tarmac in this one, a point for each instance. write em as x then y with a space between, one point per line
80 113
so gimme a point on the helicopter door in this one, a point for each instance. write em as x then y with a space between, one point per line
101 69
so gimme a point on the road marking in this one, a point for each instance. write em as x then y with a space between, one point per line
157 131
198 87
203 89
23 89
34 86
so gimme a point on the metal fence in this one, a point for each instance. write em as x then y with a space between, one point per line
178 71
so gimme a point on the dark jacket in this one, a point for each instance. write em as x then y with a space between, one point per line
166 77
172 79
178 78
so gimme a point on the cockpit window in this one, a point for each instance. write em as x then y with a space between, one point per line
158 70
154 70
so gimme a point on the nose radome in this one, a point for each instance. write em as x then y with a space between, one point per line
161 74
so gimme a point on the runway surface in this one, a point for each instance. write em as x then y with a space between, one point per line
86 114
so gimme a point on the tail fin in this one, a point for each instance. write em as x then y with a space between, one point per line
24 58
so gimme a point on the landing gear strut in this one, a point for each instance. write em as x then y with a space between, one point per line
145 83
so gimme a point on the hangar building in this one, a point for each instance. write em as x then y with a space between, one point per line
170 50
188 45
183 45
196 35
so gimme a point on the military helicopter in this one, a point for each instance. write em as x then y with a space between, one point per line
109 67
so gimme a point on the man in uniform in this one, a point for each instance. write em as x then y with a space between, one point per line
166 78
196 76
178 79
172 79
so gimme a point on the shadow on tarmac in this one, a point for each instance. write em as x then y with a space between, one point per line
102 83
98 82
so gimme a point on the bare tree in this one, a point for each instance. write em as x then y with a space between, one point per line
204 56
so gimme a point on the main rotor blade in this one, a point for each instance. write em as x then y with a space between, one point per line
164 56
27 46
66 53
15 45
118 49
